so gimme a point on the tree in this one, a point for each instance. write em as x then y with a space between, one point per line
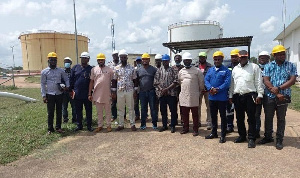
253 60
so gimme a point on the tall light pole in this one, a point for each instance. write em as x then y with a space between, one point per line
75 32
12 69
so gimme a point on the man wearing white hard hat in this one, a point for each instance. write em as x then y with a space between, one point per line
124 89
191 81
66 96
158 60
112 65
263 59
79 83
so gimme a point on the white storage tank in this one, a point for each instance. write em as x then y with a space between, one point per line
195 30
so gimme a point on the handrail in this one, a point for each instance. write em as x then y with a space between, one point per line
194 22
51 31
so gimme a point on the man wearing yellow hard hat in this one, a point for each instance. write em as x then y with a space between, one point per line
245 92
147 93
234 54
100 83
52 91
279 76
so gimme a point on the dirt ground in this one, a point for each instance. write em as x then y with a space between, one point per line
150 153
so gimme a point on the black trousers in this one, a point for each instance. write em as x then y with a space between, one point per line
220 106
245 103
170 101
88 110
54 103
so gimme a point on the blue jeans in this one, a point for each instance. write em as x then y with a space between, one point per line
145 98
172 102
66 100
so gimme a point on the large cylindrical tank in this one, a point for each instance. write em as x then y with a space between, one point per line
36 46
195 30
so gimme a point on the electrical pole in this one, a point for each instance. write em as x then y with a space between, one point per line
112 27
76 41
12 69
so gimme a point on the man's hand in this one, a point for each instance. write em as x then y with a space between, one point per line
213 91
45 99
135 94
258 100
280 96
274 90
164 91
114 96
90 98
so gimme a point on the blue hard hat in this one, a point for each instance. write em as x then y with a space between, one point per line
165 57
138 58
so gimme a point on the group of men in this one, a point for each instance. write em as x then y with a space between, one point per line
118 88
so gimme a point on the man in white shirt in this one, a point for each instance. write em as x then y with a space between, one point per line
245 92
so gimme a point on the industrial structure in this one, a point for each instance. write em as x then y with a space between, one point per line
194 30
35 47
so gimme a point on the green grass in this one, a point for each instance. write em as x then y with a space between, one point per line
24 125
295 105
33 79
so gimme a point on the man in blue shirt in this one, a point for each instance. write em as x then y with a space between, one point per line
79 82
217 81
52 91
66 96
279 75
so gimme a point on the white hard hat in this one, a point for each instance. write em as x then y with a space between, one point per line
123 52
186 55
68 58
158 56
264 53
85 55
115 52
178 54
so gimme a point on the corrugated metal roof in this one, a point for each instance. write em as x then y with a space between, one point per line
209 43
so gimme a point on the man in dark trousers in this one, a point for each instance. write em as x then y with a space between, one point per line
52 91
234 54
217 82
80 80
279 76
66 95
245 92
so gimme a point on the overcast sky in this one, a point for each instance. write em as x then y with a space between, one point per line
140 25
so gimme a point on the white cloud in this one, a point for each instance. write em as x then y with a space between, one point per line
219 13
58 25
269 25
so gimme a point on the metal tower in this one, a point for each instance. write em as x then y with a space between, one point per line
112 27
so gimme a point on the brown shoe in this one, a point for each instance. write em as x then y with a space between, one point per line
133 128
98 130
60 131
109 129
119 128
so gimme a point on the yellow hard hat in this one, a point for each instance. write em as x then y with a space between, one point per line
218 53
234 52
146 56
278 49
52 54
101 56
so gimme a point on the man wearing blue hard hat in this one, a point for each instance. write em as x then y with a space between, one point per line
165 81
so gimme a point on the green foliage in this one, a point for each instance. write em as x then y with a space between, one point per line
10 87
295 105
33 79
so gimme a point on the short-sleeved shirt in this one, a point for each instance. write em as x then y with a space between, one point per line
279 74
102 77
50 78
163 79
80 80
124 76
146 77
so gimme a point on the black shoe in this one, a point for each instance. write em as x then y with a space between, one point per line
251 143
211 136
195 134
77 129
240 139
184 131
279 144
163 129
90 129
172 129
229 130
199 125
222 140
265 140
